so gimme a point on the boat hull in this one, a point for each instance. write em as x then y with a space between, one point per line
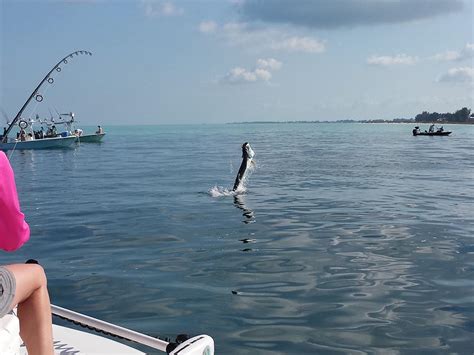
45 143
433 134
91 138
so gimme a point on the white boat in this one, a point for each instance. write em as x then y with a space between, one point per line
55 136
90 138
71 130
27 137
78 341
44 143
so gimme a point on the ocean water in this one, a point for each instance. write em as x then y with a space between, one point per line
350 238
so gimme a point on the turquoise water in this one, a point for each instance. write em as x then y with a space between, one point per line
351 238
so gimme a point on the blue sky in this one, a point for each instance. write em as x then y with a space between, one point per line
209 61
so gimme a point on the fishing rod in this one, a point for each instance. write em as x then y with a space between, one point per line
198 345
36 94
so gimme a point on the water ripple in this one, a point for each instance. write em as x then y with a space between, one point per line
350 238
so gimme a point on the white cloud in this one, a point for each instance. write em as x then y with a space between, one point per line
458 75
207 27
269 63
240 75
243 35
158 8
300 44
447 56
466 53
402 59
399 59
262 72
239 34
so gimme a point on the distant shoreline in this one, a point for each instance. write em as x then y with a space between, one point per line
352 121
462 116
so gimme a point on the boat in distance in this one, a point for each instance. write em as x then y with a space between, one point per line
432 131
44 143
444 133
27 137
91 138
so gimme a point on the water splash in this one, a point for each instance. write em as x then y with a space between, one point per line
219 191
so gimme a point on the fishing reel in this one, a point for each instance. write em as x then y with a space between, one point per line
198 345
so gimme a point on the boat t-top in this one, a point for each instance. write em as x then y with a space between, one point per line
68 121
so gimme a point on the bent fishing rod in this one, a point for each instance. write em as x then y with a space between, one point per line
36 94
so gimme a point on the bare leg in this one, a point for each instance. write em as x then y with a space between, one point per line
34 308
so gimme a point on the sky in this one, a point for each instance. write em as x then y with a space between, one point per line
220 61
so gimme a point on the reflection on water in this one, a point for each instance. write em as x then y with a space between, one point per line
363 242
239 202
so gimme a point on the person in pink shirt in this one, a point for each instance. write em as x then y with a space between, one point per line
22 285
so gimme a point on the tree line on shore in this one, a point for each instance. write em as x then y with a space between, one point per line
463 115
460 116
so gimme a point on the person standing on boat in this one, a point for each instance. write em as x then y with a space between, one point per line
432 128
100 130
22 135
22 285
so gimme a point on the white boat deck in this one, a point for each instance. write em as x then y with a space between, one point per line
67 341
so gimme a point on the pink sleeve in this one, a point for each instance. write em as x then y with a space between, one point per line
14 231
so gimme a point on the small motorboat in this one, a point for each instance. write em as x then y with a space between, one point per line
90 138
96 137
443 133
432 131
71 130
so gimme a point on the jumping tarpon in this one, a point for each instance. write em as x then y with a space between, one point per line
247 156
